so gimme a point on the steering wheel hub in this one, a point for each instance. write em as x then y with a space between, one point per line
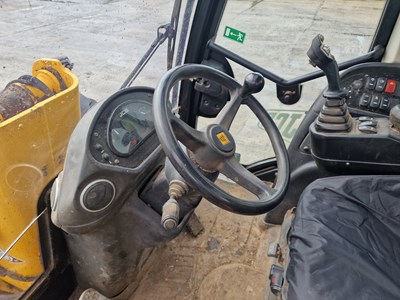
222 139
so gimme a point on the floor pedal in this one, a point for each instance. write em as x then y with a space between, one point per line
194 225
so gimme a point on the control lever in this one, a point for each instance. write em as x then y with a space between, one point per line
334 116
320 56
170 210
253 83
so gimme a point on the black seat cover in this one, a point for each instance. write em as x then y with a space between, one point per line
345 241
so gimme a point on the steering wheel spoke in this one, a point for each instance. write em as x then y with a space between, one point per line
193 139
232 169
228 113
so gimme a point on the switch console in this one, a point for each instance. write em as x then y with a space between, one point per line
373 88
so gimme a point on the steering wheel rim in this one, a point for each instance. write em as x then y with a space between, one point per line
166 123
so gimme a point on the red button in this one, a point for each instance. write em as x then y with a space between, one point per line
390 86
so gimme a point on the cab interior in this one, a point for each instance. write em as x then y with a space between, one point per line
146 213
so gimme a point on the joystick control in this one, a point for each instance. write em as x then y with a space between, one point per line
334 115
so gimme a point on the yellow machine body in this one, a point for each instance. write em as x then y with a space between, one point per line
32 151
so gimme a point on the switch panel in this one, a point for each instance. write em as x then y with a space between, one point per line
372 88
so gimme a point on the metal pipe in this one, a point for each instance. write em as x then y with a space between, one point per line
373 55
22 234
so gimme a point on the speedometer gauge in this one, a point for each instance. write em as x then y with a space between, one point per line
130 124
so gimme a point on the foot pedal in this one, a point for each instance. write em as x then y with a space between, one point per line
194 225
276 277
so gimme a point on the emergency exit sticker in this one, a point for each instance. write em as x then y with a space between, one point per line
234 34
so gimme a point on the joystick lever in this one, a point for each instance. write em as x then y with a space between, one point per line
334 116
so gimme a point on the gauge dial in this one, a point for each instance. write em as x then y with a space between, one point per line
130 124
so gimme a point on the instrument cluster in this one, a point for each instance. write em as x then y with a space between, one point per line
123 133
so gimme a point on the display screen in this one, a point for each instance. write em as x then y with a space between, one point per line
130 124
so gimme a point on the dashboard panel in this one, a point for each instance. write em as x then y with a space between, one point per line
374 88
123 134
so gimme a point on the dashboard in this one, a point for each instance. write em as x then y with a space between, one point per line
112 154
374 88
123 134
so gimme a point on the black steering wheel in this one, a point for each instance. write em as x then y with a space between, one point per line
212 150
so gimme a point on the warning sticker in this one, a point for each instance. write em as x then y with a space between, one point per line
223 138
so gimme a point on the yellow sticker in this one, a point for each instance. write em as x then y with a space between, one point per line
223 138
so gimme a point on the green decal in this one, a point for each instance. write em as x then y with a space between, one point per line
234 34
287 121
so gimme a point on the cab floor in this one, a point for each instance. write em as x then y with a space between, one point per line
228 260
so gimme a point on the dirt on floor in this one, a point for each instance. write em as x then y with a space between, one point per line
228 260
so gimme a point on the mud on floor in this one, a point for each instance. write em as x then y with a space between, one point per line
228 260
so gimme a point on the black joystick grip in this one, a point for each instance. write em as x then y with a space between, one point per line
334 115
319 54
321 57
253 83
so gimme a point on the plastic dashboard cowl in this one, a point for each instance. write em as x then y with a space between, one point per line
345 240
107 239
85 167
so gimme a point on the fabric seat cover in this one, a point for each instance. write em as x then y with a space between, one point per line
345 240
